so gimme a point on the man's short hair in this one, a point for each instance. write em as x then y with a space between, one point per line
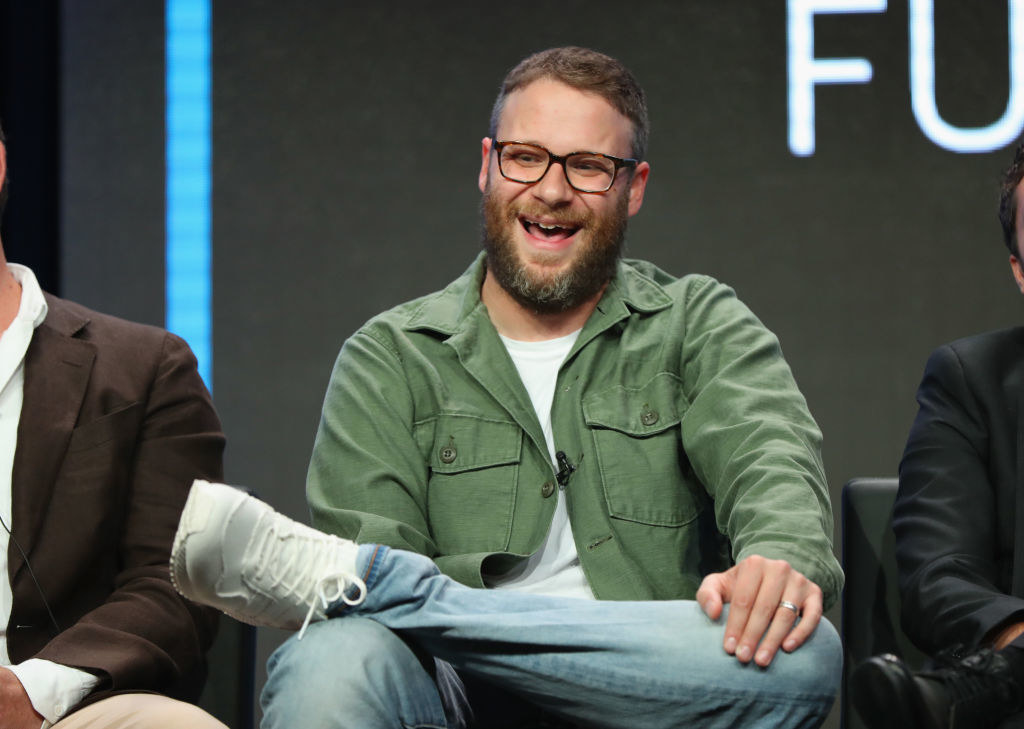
1008 200
585 70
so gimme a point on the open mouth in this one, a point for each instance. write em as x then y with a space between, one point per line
548 231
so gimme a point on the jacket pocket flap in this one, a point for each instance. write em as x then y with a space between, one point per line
468 442
637 411
112 425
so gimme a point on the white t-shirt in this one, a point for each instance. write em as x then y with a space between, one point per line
555 568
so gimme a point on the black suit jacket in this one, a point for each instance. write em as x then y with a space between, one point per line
115 424
959 516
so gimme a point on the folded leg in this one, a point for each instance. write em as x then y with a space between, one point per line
603 664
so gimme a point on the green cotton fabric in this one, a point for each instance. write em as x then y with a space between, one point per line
693 446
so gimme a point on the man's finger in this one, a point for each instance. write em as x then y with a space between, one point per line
762 613
749 574
780 627
712 594
811 616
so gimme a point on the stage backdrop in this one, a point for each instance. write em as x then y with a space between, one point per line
838 169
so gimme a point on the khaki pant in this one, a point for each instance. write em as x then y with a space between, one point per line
139 711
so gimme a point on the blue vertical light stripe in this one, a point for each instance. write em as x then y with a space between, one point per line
189 279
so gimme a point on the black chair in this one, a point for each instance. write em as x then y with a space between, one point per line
229 694
871 601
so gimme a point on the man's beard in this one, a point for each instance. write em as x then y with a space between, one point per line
554 293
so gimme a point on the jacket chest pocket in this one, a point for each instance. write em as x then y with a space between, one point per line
474 465
645 472
100 452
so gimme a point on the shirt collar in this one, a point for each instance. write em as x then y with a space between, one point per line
445 310
635 286
33 306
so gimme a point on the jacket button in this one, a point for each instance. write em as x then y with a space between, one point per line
547 489
649 417
448 454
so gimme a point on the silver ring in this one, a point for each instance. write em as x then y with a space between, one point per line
789 606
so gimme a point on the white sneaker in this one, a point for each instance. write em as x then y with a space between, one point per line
235 553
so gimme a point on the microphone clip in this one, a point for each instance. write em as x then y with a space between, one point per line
565 469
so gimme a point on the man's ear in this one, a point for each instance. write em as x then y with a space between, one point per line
637 187
485 162
1018 272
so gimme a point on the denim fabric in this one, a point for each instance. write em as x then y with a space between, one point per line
649 665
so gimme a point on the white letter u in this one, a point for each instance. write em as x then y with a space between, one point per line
922 85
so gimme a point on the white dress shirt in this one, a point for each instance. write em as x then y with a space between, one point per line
53 688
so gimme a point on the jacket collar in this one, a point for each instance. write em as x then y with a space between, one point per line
62 318
446 311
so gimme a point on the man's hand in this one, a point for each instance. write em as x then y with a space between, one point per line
755 589
16 710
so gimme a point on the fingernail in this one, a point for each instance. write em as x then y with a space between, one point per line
763 658
743 653
730 645
789 645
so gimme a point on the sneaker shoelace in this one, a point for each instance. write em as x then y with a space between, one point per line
329 590
288 560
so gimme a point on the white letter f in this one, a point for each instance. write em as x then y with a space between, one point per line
805 70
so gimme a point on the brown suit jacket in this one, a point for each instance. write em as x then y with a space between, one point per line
115 424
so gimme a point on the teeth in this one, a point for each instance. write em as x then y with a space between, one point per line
545 226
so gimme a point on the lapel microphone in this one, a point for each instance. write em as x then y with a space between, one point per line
565 469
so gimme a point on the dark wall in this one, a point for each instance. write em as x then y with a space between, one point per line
346 147
112 147
29 110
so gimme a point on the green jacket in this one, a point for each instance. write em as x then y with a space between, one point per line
692 444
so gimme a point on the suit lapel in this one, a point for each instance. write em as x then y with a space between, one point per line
57 371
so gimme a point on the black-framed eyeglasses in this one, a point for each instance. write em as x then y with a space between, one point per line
584 171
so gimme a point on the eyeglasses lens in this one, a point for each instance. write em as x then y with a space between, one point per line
528 163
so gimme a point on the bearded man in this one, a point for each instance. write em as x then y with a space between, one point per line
564 422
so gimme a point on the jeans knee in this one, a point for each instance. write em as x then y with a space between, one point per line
815 668
349 672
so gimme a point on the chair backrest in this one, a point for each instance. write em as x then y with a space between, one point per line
871 600
229 693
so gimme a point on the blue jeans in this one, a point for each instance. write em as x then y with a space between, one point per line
425 651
